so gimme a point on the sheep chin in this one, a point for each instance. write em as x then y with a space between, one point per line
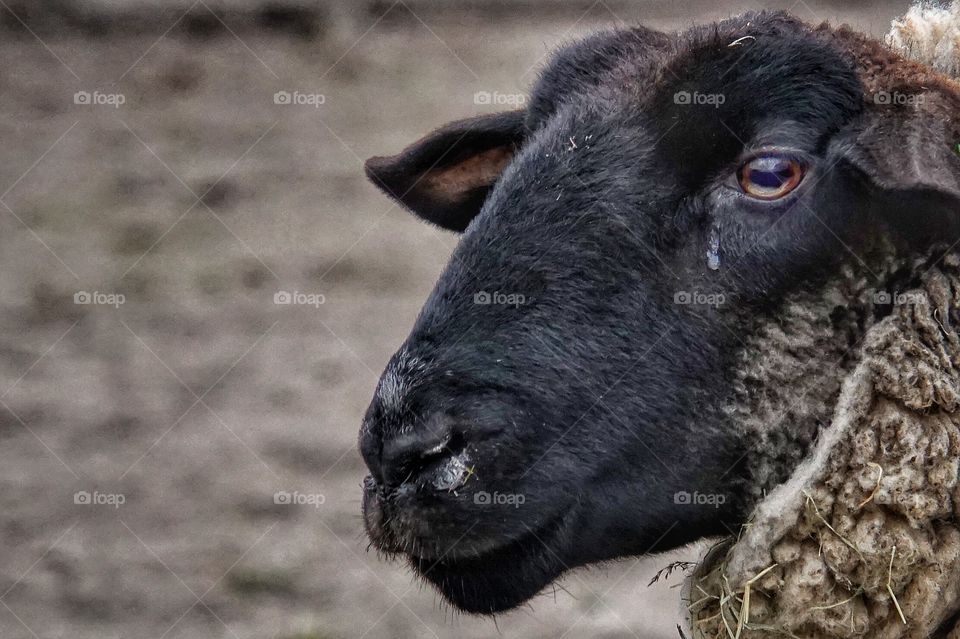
502 577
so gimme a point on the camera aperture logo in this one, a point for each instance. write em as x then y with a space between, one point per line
499 99
483 498
695 498
897 98
96 498
498 298
686 98
296 298
296 498
297 98
699 298
97 98
97 298
886 298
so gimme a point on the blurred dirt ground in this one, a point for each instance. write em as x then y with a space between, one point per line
198 398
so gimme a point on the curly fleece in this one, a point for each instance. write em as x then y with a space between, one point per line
864 539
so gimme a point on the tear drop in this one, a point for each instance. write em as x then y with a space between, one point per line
713 248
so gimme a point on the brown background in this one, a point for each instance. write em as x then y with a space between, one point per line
198 398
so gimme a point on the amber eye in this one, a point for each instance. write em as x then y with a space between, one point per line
770 176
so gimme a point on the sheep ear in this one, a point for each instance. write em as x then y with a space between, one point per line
445 177
909 150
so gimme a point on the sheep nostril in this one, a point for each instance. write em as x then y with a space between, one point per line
410 456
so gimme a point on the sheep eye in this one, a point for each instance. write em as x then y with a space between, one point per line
770 176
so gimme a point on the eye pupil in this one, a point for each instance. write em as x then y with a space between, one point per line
770 177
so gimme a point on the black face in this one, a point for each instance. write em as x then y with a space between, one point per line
565 395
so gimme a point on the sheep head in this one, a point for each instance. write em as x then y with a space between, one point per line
668 260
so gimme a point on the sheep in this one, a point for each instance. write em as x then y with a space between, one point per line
671 261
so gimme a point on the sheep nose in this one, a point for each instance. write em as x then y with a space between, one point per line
404 457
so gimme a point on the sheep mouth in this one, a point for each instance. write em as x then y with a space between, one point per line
434 526
502 577
477 573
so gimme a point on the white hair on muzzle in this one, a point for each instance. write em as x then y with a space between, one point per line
929 33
